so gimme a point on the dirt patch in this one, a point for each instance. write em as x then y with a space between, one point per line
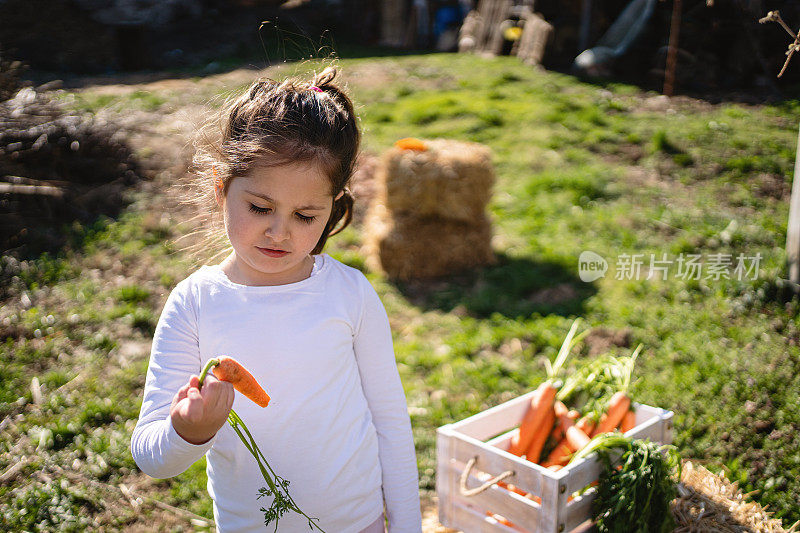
602 340
562 292
430 516
772 186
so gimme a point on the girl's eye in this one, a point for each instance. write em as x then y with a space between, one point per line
306 219
259 210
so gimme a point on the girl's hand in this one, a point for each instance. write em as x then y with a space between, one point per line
198 414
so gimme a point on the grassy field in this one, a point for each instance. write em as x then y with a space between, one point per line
599 167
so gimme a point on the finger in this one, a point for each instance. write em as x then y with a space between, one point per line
227 396
194 381
195 407
230 396
218 396
208 390
182 390
180 395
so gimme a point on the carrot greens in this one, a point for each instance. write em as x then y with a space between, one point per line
277 487
636 487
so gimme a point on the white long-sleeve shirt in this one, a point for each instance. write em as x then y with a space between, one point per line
337 426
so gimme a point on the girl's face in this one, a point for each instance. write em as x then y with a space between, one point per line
274 217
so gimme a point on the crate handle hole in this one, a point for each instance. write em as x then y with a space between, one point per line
477 490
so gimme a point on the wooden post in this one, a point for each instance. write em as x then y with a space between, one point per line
672 51
586 24
793 228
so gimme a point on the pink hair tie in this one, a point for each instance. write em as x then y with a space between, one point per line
316 89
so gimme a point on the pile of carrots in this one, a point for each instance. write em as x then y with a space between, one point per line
565 413
553 421
571 432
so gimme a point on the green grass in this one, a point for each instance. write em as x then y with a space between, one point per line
578 168
139 100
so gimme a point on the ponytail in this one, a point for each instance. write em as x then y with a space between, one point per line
342 211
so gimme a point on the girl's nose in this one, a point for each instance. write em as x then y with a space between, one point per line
277 230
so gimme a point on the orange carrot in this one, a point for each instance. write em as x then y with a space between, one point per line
585 424
576 439
559 456
560 409
409 143
563 450
628 422
512 488
562 421
617 407
541 405
230 370
500 519
534 451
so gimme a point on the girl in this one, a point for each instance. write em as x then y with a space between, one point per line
311 330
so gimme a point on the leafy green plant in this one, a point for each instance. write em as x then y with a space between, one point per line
635 489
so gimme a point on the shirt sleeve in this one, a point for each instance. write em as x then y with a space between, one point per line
387 403
175 356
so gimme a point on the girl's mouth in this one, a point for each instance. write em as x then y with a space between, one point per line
272 253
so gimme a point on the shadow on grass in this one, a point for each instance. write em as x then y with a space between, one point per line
512 287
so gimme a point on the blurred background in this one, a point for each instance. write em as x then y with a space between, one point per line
721 46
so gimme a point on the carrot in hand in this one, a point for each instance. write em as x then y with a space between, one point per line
230 370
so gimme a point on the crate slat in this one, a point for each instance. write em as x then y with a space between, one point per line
582 473
553 501
527 476
579 510
518 509
459 442
495 420
502 441
470 520
445 485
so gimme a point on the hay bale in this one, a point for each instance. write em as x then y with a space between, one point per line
450 180
708 502
405 247
428 216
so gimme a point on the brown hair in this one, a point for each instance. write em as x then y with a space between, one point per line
274 123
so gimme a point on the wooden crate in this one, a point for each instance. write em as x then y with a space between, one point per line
485 437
